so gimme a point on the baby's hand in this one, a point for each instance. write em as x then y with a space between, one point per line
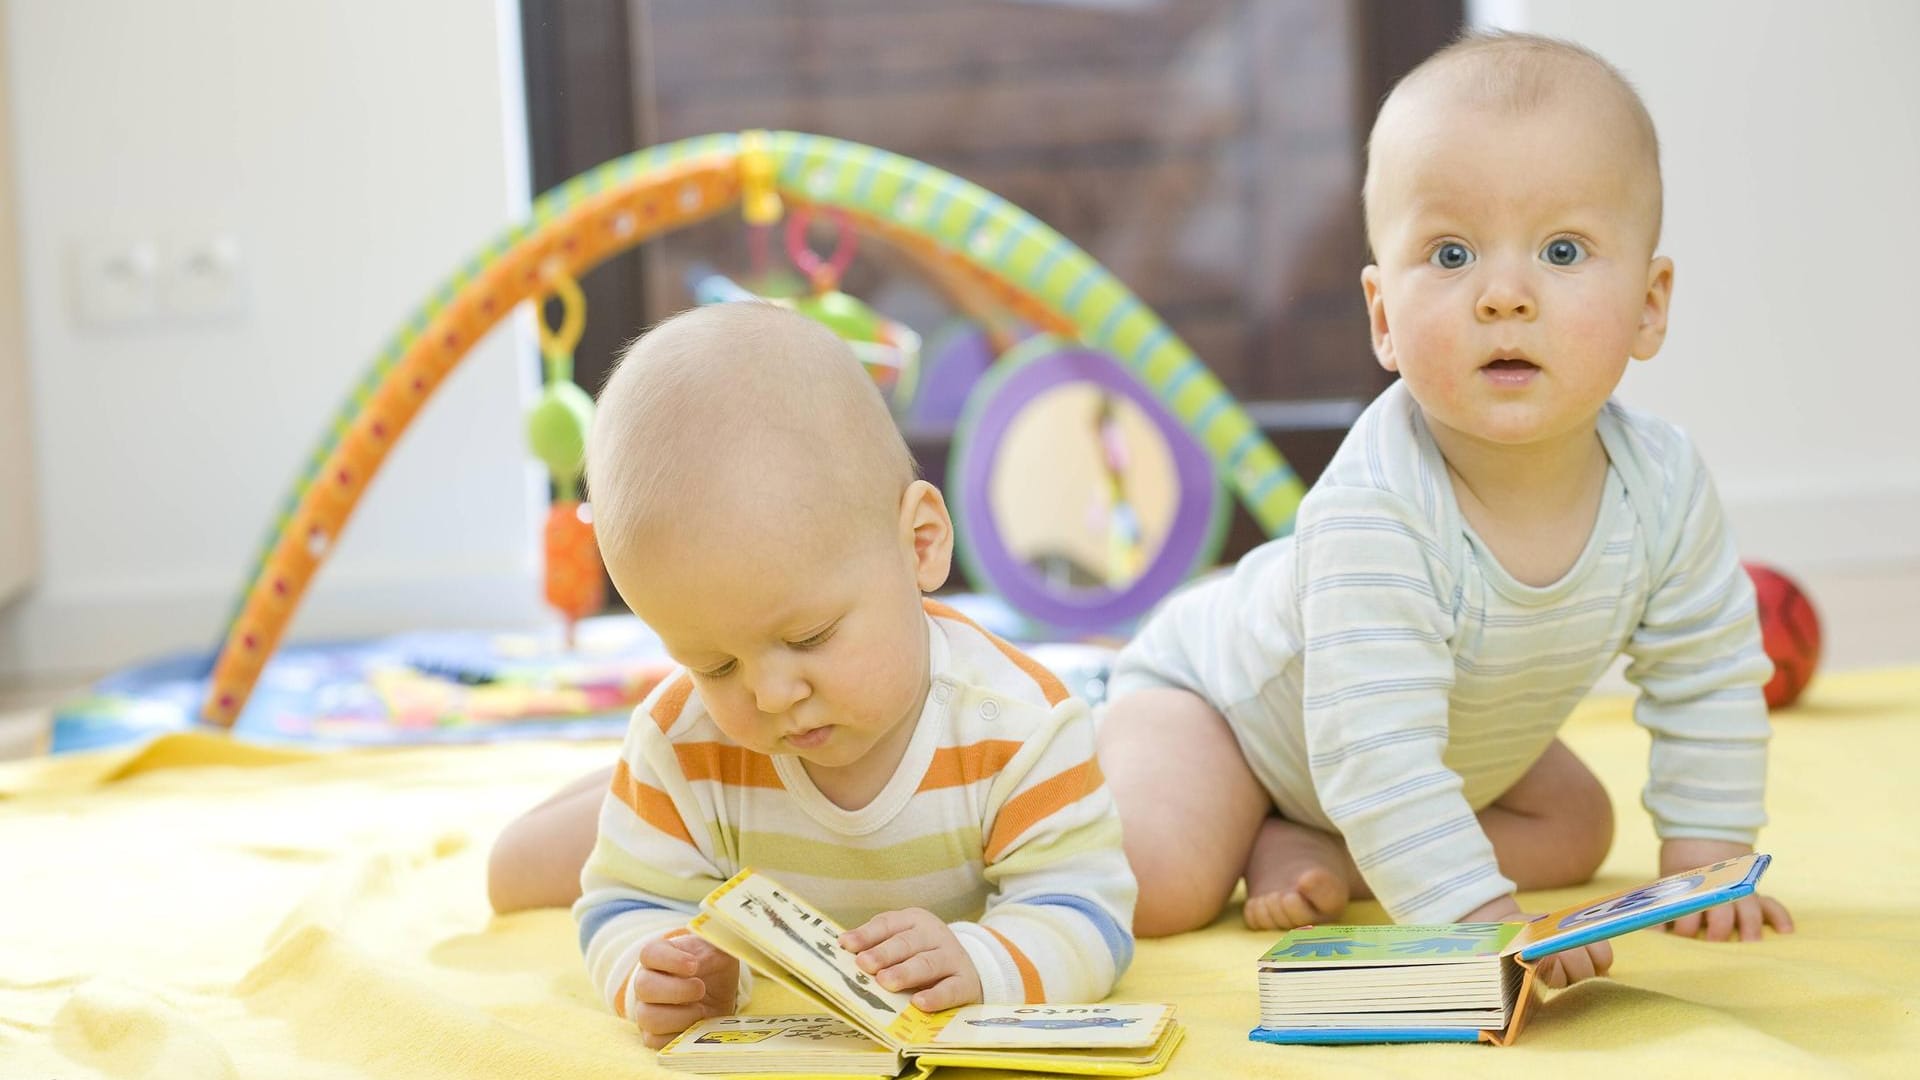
681 979
1569 966
1562 968
912 950
1745 915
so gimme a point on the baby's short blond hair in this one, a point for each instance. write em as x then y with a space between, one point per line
730 402
1518 73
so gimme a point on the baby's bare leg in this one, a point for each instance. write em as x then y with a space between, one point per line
537 859
1189 807
1554 826
1551 828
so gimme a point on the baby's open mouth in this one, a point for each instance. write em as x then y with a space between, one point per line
1511 364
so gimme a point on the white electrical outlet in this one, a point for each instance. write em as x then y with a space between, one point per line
115 281
202 279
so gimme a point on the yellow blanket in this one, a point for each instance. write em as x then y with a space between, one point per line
205 909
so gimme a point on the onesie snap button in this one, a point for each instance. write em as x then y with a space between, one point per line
989 709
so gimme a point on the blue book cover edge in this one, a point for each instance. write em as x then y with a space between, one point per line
1335 1036
1657 914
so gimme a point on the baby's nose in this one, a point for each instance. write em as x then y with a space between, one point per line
775 693
1506 306
1505 301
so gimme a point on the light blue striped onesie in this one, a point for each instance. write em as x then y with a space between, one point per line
1386 678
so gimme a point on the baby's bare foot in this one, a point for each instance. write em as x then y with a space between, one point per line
1316 895
1295 876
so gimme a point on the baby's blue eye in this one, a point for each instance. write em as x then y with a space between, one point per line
1563 252
1450 256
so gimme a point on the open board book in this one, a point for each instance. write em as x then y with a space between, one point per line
1462 982
873 1031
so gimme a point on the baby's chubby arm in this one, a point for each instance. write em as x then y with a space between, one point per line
1375 601
642 882
1698 661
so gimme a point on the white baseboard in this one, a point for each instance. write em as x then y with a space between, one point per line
85 633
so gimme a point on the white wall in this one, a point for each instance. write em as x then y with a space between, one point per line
1790 137
358 151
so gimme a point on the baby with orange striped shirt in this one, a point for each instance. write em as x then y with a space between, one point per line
917 778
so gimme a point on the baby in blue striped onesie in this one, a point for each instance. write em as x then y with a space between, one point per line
1370 706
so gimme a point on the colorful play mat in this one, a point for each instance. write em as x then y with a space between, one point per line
451 686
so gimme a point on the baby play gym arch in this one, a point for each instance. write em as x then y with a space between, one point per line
977 244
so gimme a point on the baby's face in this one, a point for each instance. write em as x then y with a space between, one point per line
811 646
1515 272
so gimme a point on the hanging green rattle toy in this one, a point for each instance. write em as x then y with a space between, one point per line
557 431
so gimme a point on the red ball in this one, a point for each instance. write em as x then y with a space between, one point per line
1789 631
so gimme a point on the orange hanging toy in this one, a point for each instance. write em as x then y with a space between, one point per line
576 587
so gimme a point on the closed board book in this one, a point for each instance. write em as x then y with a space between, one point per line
1462 982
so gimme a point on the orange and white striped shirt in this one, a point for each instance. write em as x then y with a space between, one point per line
997 820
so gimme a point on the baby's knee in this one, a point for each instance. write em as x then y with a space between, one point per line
533 866
1177 892
1586 830
507 870
1589 800
1572 805
1595 836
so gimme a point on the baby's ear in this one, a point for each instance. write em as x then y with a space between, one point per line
1377 318
926 525
1652 331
